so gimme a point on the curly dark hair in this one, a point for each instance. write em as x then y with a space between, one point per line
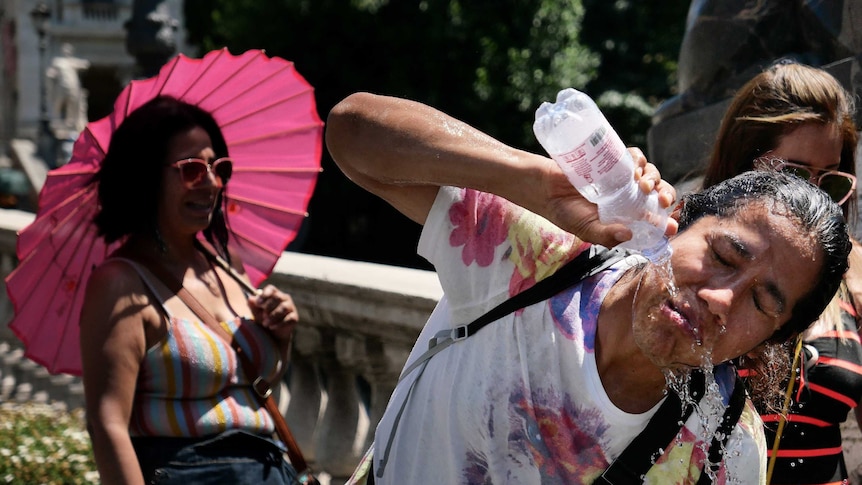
130 178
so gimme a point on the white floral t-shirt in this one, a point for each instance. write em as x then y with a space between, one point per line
521 402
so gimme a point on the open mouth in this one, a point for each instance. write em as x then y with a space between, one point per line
676 314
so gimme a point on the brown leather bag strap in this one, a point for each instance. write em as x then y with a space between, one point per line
262 388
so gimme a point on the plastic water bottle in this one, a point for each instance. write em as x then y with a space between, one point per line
579 138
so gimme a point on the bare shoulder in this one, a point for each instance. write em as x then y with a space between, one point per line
115 277
118 323
115 288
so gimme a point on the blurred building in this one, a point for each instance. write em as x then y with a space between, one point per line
34 33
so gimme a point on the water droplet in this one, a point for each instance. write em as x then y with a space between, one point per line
665 270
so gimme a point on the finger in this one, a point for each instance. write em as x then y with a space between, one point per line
607 235
650 172
666 194
256 310
648 182
267 305
267 291
271 297
638 157
292 315
283 311
672 227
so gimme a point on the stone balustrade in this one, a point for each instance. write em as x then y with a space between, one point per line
359 321
95 14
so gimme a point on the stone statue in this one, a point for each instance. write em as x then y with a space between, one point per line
727 42
67 100
151 36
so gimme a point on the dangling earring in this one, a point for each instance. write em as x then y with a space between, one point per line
160 242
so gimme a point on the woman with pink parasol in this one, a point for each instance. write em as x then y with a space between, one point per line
178 345
161 385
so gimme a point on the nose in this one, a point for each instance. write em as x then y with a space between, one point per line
718 300
211 177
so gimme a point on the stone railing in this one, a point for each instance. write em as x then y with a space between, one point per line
359 321
96 14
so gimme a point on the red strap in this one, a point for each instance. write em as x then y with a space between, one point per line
847 307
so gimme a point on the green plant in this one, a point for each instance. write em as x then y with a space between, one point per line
44 444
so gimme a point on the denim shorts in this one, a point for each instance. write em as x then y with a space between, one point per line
234 456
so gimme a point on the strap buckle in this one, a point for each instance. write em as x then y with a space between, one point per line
459 333
261 387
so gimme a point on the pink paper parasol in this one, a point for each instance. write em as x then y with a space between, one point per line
269 119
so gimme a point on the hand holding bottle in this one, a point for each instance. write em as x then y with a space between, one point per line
579 138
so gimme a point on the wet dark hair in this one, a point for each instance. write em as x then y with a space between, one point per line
816 213
130 178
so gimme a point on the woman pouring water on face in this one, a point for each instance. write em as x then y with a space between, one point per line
556 391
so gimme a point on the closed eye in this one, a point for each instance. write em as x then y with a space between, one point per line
728 251
719 259
769 300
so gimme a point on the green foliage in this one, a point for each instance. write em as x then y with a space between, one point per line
638 43
487 62
43 444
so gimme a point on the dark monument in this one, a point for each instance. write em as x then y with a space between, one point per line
151 36
726 43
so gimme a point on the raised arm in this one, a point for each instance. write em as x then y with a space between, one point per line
403 151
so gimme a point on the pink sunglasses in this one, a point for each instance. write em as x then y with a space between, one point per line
839 185
194 170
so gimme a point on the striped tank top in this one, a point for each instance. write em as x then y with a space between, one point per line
191 382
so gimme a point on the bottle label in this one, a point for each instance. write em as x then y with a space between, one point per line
597 161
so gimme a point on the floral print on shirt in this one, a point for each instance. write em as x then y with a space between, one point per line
480 235
554 434
483 222
553 438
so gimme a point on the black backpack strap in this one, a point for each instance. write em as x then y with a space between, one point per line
722 434
641 454
646 448
590 262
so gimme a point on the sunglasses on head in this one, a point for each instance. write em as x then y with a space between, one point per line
838 185
194 170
